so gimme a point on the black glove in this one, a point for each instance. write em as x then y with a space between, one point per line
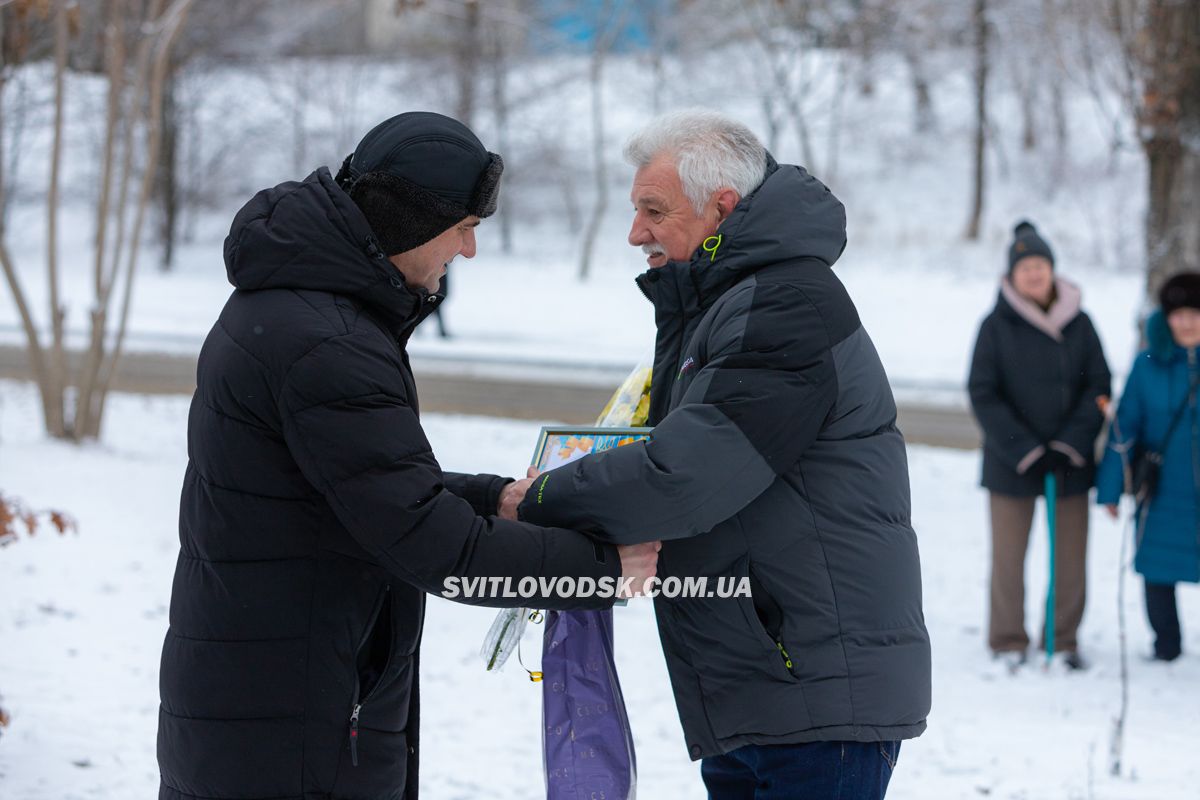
1051 461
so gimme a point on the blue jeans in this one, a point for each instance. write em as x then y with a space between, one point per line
820 771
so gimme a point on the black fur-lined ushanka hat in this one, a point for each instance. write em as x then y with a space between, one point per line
419 174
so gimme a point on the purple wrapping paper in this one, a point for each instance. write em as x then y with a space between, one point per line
586 738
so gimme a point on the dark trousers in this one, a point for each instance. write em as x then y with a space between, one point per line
1163 612
820 771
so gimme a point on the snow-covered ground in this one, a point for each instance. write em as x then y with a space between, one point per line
82 620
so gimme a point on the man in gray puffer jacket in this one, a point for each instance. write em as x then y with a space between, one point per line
776 458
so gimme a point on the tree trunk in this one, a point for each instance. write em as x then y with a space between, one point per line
598 165
980 25
169 24
1170 122
37 355
1029 111
570 196
835 122
167 185
1062 128
613 15
1171 222
499 71
123 120
468 64
793 101
298 122
773 121
924 118
17 125
1058 102
56 380
865 34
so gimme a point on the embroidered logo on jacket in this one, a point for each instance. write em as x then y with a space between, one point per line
688 364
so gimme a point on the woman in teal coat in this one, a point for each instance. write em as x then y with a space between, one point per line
1159 411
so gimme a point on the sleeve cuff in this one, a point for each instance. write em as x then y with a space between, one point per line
1077 461
1030 458
492 501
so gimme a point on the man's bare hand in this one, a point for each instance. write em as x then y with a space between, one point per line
511 497
640 562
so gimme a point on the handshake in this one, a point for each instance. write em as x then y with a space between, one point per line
638 561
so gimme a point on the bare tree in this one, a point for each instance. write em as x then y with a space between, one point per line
1020 28
981 30
1162 41
786 35
657 18
474 48
23 106
24 33
128 114
866 32
1052 13
498 55
914 44
212 36
57 374
1141 62
166 183
467 61
612 20
1032 38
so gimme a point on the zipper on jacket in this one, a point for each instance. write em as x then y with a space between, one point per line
1195 432
366 642
787 660
354 734
1065 365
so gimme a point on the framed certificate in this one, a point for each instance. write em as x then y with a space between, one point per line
562 445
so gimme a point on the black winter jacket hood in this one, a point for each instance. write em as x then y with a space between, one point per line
310 235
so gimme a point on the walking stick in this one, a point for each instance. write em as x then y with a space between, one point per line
1051 502
1116 745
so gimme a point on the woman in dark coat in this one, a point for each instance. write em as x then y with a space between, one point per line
1036 376
1159 411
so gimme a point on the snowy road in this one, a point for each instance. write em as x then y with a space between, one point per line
543 392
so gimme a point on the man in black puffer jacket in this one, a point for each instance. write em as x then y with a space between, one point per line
775 458
314 516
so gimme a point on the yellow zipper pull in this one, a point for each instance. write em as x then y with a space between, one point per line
787 660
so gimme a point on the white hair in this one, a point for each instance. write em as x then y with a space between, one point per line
710 151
